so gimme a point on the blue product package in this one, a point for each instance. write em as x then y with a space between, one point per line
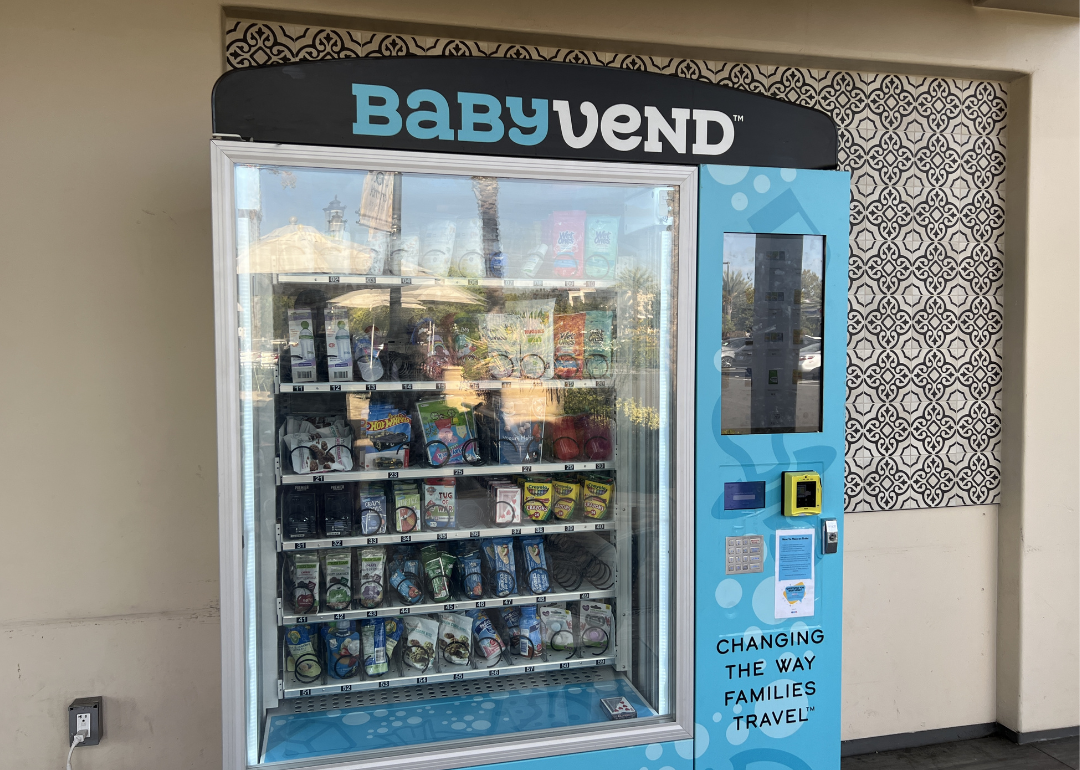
499 554
372 508
342 648
405 576
472 583
373 633
531 644
532 549
486 640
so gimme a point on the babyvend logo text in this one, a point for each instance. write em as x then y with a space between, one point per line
483 118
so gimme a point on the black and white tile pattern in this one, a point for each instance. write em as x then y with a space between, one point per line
927 161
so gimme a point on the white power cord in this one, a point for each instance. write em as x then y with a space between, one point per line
75 741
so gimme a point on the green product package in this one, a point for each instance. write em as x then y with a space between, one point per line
598 343
601 246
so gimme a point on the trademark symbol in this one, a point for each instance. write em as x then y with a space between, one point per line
737 118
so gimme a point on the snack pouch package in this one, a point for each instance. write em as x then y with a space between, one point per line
406 508
437 247
440 504
569 358
567 237
302 344
405 575
531 644
373 641
404 255
372 588
338 343
342 648
393 628
468 256
337 569
445 428
499 555
500 338
421 635
312 453
505 503
389 430
455 634
537 497
532 550
372 510
595 627
537 337
601 246
437 565
519 423
301 641
598 343
567 494
486 641
304 575
511 620
596 496
557 628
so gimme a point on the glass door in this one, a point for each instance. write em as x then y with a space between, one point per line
456 453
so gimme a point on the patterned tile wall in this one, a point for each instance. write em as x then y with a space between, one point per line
927 159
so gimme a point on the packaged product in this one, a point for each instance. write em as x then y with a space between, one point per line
500 341
598 343
567 494
373 640
567 237
517 425
537 337
595 627
405 575
468 256
455 633
537 497
312 453
439 504
342 648
304 576
393 628
467 570
534 261
511 622
601 246
531 644
446 426
536 572
596 496
377 247
486 641
505 503
404 256
557 628
300 641
569 358
338 343
371 508
406 508
337 511
372 576
389 430
437 247
421 636
595 436
499 557
302 344
337 571
299 512
438 565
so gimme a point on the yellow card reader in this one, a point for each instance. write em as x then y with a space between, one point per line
802 493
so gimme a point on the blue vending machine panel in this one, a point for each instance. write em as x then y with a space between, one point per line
770 399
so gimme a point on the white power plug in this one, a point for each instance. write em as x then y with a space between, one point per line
82 724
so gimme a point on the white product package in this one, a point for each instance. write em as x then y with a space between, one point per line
338 343
302 344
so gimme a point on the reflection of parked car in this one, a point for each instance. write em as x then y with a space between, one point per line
736 352
810 361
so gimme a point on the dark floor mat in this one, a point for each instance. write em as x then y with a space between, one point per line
1066 750
992 753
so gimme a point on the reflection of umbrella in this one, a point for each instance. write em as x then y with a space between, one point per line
411 297
298 248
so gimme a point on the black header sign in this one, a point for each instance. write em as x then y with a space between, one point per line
519 108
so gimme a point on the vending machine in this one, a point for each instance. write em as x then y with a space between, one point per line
499 343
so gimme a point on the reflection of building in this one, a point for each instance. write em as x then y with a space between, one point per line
335 219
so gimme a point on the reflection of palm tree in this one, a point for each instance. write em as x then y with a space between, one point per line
736 284
643 286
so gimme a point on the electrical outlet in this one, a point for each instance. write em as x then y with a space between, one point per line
85 716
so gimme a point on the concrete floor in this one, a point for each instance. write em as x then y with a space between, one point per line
992 753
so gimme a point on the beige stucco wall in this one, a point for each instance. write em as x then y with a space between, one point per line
109 513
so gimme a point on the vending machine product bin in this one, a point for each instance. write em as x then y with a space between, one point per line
466 502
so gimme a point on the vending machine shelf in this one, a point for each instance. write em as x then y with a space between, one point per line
444 472
425 280
394 387
525 528
291 688
585 592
